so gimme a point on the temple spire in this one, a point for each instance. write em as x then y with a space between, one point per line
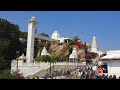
94 46
55 35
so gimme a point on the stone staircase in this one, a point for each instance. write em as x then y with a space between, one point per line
42 72
56 67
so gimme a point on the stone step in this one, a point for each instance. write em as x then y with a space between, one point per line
56 67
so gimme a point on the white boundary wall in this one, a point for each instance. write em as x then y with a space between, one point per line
113 67
32 68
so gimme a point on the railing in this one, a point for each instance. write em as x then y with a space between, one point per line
38 69
32 68
67 63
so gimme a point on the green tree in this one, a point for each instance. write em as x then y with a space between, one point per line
9 38
2 63
54 60
64 58
44 58
76 38
23 43
44 34
71 42
58 58
36 47
10 43
4 44
24 35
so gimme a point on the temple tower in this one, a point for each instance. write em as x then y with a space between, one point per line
94 46
55 35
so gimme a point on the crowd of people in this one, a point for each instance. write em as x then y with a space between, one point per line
79 72
84 72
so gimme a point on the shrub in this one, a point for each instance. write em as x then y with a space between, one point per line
44 58
71 42
6 74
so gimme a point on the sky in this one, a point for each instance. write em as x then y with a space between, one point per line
105 25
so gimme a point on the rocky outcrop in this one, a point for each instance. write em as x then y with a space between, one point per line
65 49
59 49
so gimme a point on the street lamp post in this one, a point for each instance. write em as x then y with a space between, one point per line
50 67
17 64
17 53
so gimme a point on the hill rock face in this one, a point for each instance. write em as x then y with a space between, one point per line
55 48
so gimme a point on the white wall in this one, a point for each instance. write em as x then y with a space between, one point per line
29 68
32 68
113 67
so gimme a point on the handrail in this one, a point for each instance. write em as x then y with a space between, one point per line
36 67
37 70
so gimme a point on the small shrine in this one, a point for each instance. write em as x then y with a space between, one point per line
44 52
73 56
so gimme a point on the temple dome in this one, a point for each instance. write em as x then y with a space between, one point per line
73 56
44 52
22 57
